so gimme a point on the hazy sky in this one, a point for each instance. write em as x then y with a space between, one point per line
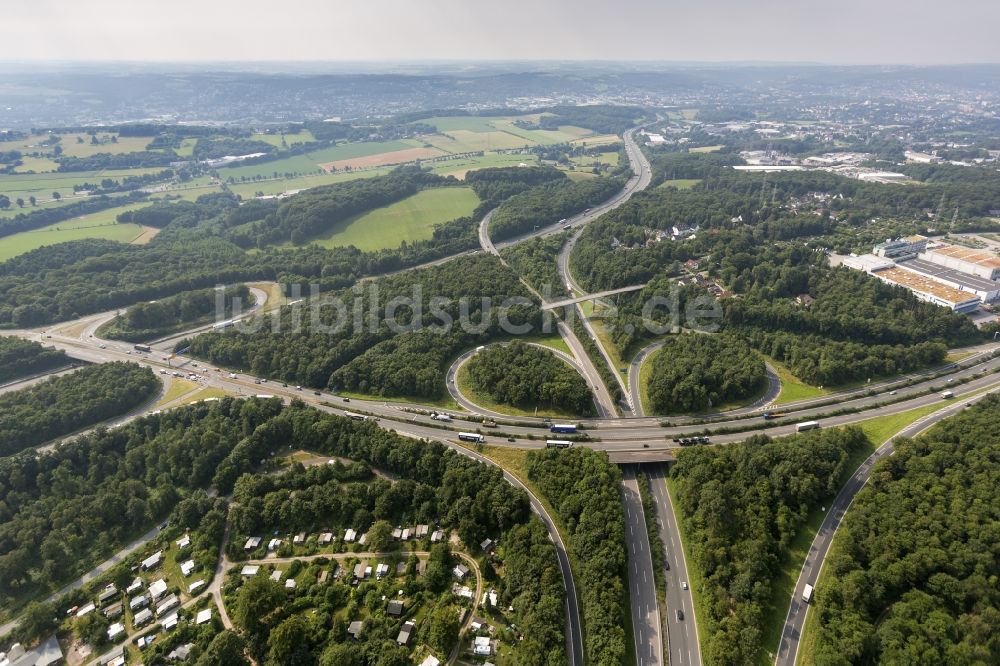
834 31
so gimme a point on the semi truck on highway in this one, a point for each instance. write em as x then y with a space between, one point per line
563 428
773 415
807 425
142 348
807 593
947 394
472 437
441 417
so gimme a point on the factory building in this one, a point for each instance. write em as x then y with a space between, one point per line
974 262
908 246
929 289
987 290
868 263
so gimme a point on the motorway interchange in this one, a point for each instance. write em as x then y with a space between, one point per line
663 633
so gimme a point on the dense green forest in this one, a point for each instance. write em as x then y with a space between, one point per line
155 319
535 261
740 507
604 118
408 358
547 204
496 184
68 280
911 577
585 490
61 511
20 358
693 372
67 403
525 376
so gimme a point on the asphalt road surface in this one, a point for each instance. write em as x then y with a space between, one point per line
644 606
682 635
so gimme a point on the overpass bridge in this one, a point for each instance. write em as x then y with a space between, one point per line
642 456
591 297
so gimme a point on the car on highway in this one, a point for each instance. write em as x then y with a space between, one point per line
104 346
684 585
680 615
666 565
317 393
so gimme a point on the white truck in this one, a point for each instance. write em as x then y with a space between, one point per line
441 417
807 593
947 394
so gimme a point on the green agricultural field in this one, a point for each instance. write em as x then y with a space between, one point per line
681 183
42 185
305 136
597 140
346 151
186 148
36 165
466 141
472 133
309 163
460 166
125 144
409 220
270 187
602 158
96 225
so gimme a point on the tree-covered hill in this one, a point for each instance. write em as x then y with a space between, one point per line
912 575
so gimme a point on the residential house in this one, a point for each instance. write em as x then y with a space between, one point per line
354 629
404 634
152 561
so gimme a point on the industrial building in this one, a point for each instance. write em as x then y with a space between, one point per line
908 246
929 289
868 263
974 262
987 290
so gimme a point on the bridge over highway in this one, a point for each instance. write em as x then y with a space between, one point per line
591 297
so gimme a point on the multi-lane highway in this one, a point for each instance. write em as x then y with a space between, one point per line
645 609
642 175
682 629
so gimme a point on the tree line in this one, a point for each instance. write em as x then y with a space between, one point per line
155 319
44 217
525 376
585 490
909 576
20 358
66 403
548 203
741 507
